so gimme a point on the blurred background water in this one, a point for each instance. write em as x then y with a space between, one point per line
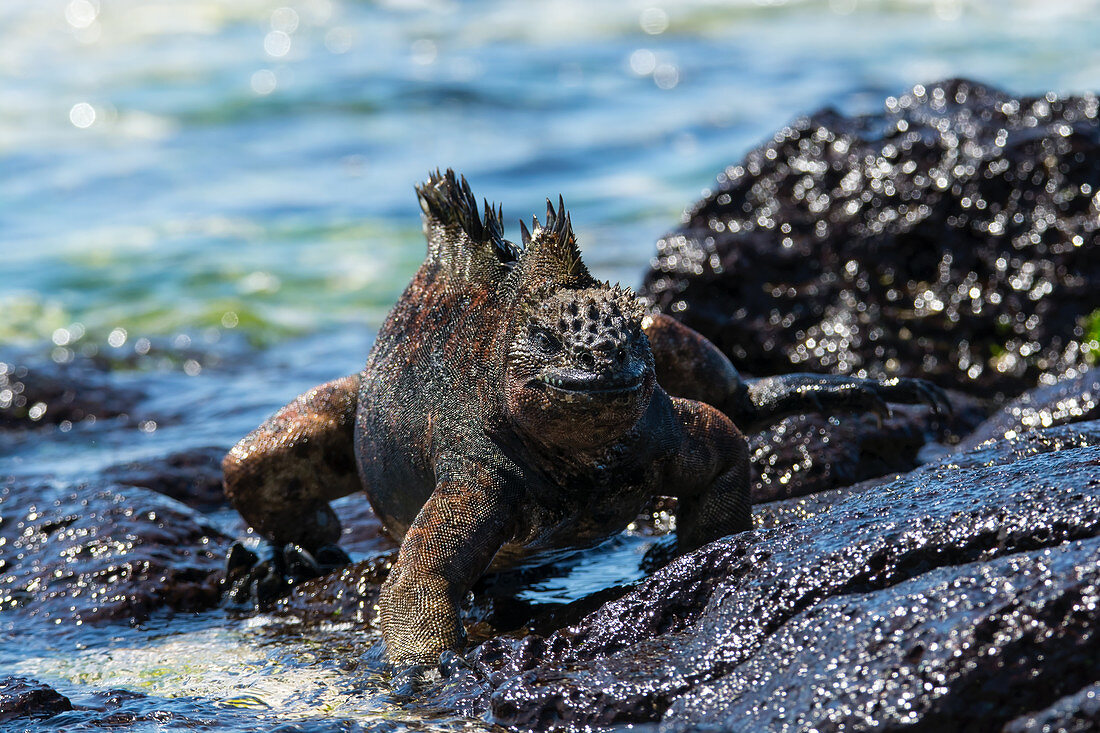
241 172
170 166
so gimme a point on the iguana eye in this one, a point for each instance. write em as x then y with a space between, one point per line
544 342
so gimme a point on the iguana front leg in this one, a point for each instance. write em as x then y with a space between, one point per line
690 366
281 478
451 542
711 471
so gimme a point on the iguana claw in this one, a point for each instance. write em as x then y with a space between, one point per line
262 578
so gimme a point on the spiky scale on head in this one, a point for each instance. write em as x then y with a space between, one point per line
550 257
596 325
448 203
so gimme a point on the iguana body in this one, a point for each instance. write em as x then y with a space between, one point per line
510 406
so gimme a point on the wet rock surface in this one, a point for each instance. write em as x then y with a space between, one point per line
943 649
1075 713
36 392
349 594
805 454
22 698
91 553
953 236
25 702
193 477
992 554
1070 400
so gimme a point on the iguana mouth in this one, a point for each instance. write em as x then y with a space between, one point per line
580 382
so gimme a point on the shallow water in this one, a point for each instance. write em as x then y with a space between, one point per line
219 195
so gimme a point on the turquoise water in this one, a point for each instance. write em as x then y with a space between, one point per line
236 176
177 166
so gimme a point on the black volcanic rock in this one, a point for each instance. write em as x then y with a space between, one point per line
804 454
1077 713
964 591
35 392
24 698
193 477
1070 400
954 236
103 553
944 649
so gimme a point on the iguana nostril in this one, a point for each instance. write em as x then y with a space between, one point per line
604 344
588 361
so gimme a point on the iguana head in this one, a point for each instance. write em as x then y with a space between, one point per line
576 366
579 371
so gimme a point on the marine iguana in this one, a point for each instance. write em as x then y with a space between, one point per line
512 405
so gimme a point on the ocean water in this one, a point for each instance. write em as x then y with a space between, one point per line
236 177
176 166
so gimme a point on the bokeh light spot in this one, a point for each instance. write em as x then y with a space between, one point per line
80 13
284 19
117 337
643 62
264 81
82 115
277 43
654 21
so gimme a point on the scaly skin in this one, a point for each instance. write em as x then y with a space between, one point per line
510 407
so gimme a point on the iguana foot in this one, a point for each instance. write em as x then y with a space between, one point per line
772 398
910 391
263 578
410 681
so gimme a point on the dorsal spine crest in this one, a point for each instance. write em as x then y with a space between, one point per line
448 202
550 256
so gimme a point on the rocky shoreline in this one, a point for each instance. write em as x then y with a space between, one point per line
928 573
964 592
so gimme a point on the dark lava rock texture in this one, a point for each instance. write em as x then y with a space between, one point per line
29 705
1075 713
24 698
34 392
193 477
804 454
964 595
1067 401
953 236
84 554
